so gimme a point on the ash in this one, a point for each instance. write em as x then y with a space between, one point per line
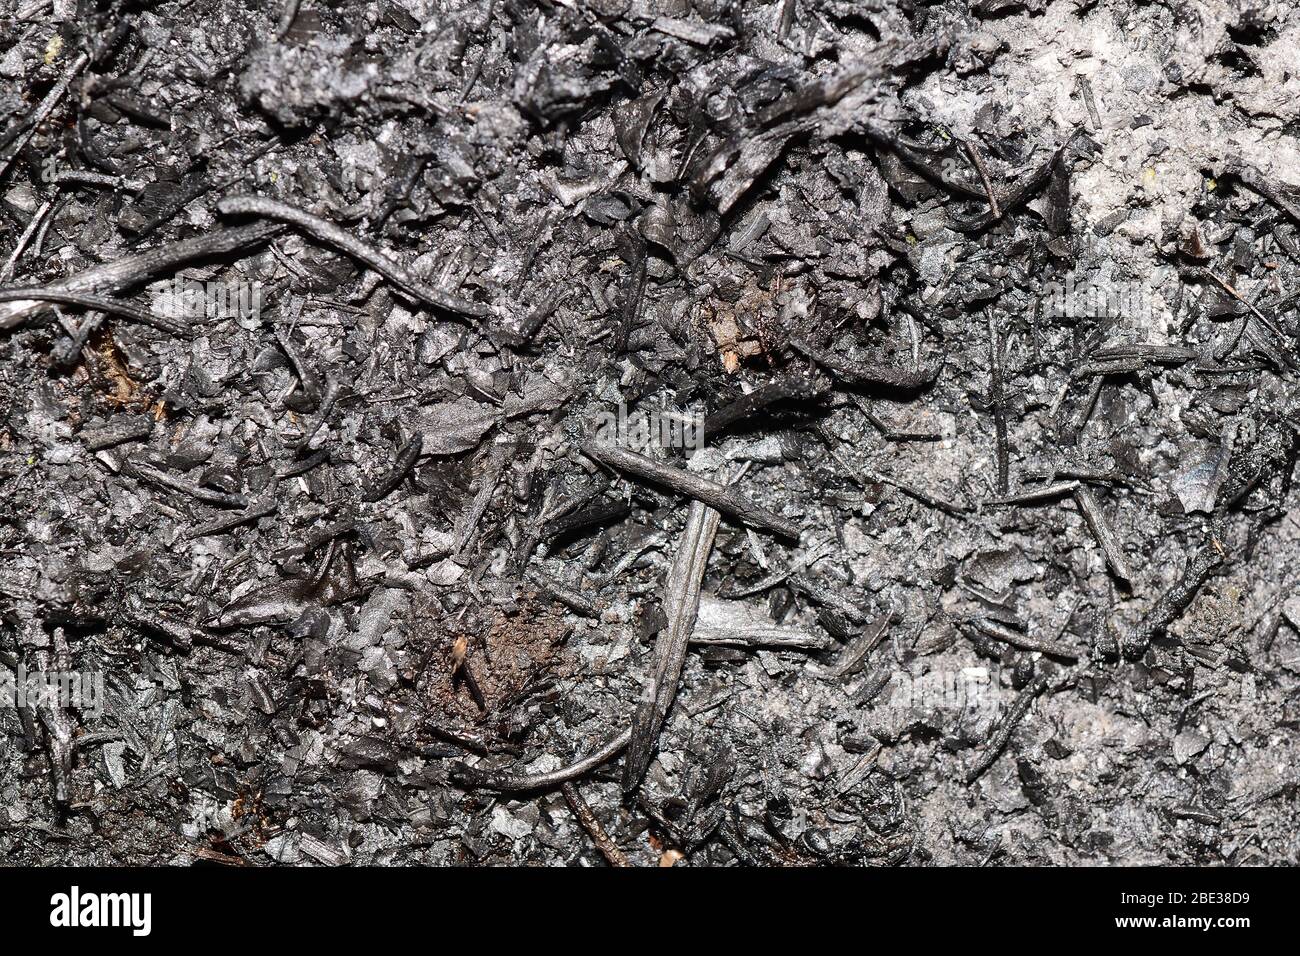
335 345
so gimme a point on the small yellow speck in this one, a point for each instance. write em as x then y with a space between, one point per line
275 176
1149 174
1211 185
53 49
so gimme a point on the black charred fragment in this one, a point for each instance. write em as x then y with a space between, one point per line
333 389
407 456
747 406
601 513
533 323
1057 201
633 293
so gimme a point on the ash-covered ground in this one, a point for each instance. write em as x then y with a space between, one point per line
659 432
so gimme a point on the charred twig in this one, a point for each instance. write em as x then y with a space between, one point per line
1091 476
1268 323
23 130
86 177
587 818
863 475
1086 88
570 599
1033 495
998 739
33 8
786 19
332 235
1026 642
288 14
162 479
955 509
472 739
137 110
58 728
1248 801
177 634
259 510
996 401
1189 812
58 738
1125 366
98 302
307 377
868 373
1146 352
96 738
975 159
78 335
498 457
889 431
682 604
1076 423
703 490
910 152
132 270
826 597
858 771
7 272
1020 194
313 460
780 638
1256 181
507 782
1101 530
534 322
118 431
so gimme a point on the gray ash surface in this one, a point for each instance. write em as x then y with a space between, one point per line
365 499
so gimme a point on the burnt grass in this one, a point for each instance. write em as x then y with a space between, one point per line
989 553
